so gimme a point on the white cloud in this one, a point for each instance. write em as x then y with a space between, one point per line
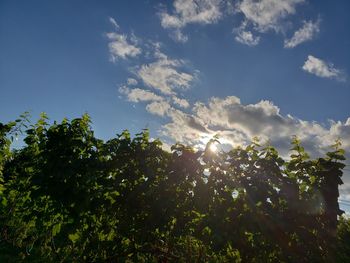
162 73
160 108
307 32
267 14
136 95
237 124
119 45
260 119
165 75
341 130
246 37
132 82
185 128
322 69
183 103
345 191
258 16
190 12
178 36
114 23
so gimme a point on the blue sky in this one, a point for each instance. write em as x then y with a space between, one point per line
185 70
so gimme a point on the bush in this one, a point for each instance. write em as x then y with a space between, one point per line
67 196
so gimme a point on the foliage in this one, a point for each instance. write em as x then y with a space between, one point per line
343 240
67 196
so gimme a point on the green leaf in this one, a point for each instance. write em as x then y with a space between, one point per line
73 237
56 229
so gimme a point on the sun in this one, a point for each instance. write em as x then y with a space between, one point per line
213 147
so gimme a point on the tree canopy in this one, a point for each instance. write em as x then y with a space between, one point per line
67 196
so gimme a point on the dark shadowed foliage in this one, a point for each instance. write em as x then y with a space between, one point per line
67 196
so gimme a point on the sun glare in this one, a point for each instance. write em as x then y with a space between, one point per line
213 147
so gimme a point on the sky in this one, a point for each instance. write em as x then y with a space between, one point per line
185 69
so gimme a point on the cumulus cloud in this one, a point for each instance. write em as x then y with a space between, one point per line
261 119
306 33
322 69
165 75
120 45
237 123
194 129
190 12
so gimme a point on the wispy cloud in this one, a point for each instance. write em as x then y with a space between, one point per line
262 16
246 37
137 95
322 69
190 12
267 14
258 17
120 45
178 36
114 23
160 108
131 81
166 76
183 103
306 33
